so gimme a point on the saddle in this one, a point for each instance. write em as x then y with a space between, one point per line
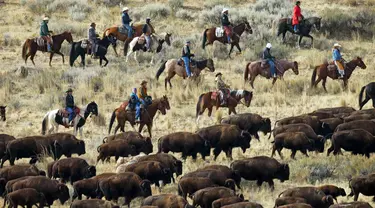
215 94
181 62
65 114
123 29
40 41
141 40
85 43
219 32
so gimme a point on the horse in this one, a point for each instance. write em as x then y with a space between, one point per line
77 50
329 70
156 46
53 119
114 31
2 113
370 94
304 27
208 101
147 116
30 47
255 69
174 68
209 36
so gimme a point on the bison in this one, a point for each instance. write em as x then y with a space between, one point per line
229 173
88 187
355 117
312 195
166 201
189 185
294 141
252 123
25 197
92 203
244 205
4 140
206 196
225 137
332 123
215 176
336 110
226 201
367 125
262 169
189 144
141 143
69 144
297 205
288 200
319 127
333 191
117 148
362 185
357 141
352 205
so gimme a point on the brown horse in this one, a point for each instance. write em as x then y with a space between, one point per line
30 47
255 69
208 101
329 70
173 68
114 31
2 113
161 104
209 36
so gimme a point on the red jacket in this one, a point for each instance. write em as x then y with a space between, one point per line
296 15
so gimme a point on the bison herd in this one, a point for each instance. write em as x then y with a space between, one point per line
211 186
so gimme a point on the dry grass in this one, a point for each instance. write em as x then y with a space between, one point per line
30 95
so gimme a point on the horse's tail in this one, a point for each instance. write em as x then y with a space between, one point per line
72 54
44 124
204 39
24 49
313 77
161 69
113 117
199 105
246 72
280 27
361 95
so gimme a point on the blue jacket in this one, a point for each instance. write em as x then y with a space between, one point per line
125 18
134 101
336 54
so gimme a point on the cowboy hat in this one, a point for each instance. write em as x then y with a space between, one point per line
143 82
69 90
224 10
125 9
218 74
336 45
92 24
148 18
45 19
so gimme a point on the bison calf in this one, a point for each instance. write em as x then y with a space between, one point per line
188 186
332 190
25 197
206 196
117 148
92 203
294 141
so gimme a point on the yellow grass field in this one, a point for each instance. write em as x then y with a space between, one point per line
29 96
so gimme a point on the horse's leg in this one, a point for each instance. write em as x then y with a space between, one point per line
231 49
32 58
284 33
363 103
62 55
168 79
81 132
100 61
345 84
238 47
210 111
324 84
149 128
141 125
300 40
50 58
127 56
312 39
252 78
106 61
273 82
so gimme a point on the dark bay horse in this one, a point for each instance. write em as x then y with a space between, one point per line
114 31
77 50
306 25
2 113
369 91
30 47
209 36
173 68
255 69
329 70
207 101
161 104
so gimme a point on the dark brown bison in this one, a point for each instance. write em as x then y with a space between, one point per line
288 200
216 176
352 205
322 114
362 185
167 160
261 169
4 139
141 143
166 201
226 201
117 148
69 144
244 205
250 122
189 144
297 205
337 110
72 169
93 203
357 141
229 173
319 127
206 196
51 189
332 190
153 171
332 123
88 186
225 137
295 141
312 195
319 141
25 197
9 184
367 125
128 185
370 111
355 117
189 185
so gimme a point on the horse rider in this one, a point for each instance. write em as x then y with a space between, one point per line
270 59
146 30
186 56
144 98
222 88
135 104
226 24
69 107
45 33
126 21
338 60
93 38
297 17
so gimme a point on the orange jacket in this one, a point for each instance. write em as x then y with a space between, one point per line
142 93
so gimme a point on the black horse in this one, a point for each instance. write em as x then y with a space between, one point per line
77 50
370 94
285 24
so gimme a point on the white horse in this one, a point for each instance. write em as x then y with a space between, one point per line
52 119
156 46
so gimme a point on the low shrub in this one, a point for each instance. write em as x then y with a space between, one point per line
156 10
186 15
176 4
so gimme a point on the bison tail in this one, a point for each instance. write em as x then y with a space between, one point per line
361 97
44 124
313 76
113 117
198 109
246 72
161 69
